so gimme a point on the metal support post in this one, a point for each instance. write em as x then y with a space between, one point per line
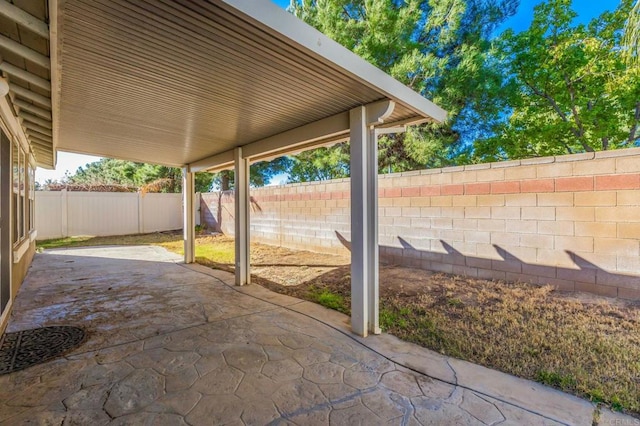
242 204
189 231
364 225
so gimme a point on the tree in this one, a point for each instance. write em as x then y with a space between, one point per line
147 177
439 48
321 164
631 42
572 90
260 173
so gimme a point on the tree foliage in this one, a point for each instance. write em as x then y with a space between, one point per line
155 178
572 90
260 173
439 48
555 88
321 164
149 177
631 41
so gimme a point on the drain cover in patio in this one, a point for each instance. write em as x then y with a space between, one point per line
22 349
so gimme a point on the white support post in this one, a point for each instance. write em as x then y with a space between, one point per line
364 225
189 234
242 204
372 248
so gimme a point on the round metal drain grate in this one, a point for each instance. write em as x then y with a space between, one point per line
22 349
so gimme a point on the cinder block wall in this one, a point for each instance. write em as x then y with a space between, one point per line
571 221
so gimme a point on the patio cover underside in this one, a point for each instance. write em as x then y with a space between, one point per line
174 82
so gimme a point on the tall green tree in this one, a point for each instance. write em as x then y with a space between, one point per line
573 91
631 41
439 48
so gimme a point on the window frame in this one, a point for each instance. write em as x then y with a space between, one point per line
32 197
15 199
23 197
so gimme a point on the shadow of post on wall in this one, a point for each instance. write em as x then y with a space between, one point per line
346 243
211 214
507 266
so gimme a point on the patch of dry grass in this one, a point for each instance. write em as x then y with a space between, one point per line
589 349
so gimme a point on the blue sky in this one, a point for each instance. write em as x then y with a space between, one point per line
586 10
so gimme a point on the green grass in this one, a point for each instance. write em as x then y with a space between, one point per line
157 238
63 242
329 300
222 253
390 317
556 379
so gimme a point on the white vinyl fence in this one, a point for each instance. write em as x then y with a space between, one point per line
64 214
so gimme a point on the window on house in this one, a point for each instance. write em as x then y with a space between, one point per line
23 193
16 192
32 197
22 208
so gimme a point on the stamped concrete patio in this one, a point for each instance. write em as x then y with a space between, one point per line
172 344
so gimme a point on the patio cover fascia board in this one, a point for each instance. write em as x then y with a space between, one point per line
336 126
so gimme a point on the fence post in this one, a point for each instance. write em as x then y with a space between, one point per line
197 206
140 213
64 207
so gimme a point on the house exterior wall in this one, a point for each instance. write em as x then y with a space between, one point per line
570 221
16 192
21 267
